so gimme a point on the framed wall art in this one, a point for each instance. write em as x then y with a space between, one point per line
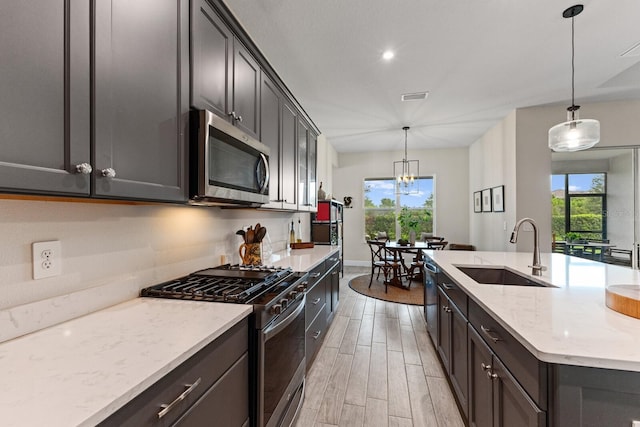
477 201
497 196
486 200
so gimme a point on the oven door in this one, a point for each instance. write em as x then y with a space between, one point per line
283 365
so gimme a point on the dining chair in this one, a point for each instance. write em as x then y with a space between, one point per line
381 261
438 246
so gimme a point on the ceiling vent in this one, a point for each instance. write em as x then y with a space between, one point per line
415 96
632 51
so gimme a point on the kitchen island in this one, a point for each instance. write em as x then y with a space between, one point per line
555 355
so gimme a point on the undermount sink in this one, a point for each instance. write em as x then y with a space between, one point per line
500 276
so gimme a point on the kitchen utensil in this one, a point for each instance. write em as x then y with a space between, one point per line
260 233
242 233
250 253
250 236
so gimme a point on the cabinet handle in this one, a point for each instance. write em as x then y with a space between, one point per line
315 275
108 173
315 301
239 118
486 332
232 115
317 335
183 395
492 375
446 309
84 168
485 367
448 287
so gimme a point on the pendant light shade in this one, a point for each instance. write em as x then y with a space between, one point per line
575 134
406 172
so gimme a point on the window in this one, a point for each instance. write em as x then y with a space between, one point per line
381 206
578 203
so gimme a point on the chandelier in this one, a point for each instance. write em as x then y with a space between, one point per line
574 134
406 172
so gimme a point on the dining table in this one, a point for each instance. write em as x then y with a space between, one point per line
398 250
577 248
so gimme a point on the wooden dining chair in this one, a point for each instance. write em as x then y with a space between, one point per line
438 246
381 261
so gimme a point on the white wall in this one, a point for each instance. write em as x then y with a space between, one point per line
525 164
450 167
492 163
620 201
327 160
125 246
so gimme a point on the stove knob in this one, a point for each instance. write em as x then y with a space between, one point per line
293 294
276 309
284 302
301 288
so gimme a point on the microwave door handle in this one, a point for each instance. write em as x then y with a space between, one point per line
265 183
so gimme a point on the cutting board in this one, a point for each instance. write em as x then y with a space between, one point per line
301 245
624 299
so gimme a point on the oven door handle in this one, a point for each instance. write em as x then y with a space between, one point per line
280 325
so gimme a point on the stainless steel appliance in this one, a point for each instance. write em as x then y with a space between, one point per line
277 333
227 166
430 277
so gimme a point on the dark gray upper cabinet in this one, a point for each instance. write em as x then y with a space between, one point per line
44 125
212 62
225 78
140 116
246 90
289 159
270 123
307 154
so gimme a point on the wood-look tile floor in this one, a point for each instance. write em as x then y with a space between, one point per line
376 367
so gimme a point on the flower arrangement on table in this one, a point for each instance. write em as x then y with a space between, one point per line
411 221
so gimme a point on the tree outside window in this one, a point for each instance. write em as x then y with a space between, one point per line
578 203
382 207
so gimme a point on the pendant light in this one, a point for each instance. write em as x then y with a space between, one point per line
406 172
575 134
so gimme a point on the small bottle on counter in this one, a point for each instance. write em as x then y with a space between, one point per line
299 240
292 234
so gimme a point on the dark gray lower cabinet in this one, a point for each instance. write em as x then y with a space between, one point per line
213 383
495 397
594 397
452 346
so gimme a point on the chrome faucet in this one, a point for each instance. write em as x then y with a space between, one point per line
536 268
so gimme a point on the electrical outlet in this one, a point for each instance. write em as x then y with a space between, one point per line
47 259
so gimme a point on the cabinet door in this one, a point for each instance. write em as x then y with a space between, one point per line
303 172
444 328
458 360
246 90
270 113
511 404
312 168
45 80
141 99
480 385
289 145
335 288
211 72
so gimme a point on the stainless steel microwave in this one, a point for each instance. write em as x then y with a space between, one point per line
227 166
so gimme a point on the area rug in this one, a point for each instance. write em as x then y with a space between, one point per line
413 296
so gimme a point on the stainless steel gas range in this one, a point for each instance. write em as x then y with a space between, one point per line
277 335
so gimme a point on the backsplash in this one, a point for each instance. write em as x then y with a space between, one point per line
111 251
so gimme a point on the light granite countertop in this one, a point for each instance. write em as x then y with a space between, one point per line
566 324
79 372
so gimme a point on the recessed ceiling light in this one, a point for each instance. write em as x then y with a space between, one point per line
416 96
388 55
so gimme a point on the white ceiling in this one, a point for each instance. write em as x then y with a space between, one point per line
479 60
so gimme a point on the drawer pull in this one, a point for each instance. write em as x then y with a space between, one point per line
448 287
485 367
183 395
317 335
315 301
446 309
315 275
486 332
492 375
